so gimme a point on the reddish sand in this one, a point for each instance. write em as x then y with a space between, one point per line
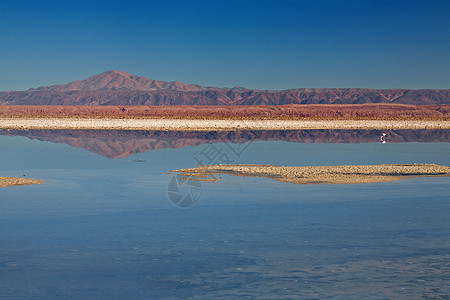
293 111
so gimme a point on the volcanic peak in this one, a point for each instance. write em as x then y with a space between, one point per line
121 81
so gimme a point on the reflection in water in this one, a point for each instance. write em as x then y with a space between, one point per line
120 144
104 229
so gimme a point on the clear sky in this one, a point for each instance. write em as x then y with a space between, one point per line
255 44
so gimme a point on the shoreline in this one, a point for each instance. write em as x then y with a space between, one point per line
189 124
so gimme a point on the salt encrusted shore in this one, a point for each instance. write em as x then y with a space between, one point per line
318 174
15 181
25 123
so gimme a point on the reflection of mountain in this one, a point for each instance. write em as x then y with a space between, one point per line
120 144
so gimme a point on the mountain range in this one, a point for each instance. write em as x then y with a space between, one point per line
122 88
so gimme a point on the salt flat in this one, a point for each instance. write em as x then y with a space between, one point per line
168 124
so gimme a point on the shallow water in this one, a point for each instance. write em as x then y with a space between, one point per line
102 228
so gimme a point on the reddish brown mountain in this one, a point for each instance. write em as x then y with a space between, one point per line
122 88
121 144
120 81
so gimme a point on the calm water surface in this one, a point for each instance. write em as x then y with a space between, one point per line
108 228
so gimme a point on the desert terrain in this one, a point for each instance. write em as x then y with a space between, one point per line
122 101
292 111
220 118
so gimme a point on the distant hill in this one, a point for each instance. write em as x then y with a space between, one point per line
122 88
120 81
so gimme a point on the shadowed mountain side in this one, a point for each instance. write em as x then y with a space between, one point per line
225 97
122 88
121 144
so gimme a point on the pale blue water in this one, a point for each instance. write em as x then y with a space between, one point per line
102 228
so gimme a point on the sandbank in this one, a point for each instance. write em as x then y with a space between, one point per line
15 181
349 174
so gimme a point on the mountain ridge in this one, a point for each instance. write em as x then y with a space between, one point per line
122 88
120 80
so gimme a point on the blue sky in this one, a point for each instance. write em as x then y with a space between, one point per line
255 44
